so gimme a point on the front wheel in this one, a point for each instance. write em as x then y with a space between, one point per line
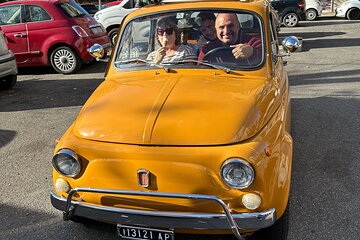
353 14
64 60
311 14
8 82
291 19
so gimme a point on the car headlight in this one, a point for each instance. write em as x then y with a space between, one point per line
66 162
97 16
237 173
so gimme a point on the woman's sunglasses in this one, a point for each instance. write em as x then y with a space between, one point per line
168 31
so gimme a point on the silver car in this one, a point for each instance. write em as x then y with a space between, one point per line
8 68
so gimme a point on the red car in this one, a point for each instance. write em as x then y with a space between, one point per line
50 32
113 3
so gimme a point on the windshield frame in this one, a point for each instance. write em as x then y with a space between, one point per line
136 66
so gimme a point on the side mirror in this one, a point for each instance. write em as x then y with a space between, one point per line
290 44
98 52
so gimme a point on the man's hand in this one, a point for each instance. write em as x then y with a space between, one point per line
159 55
242 51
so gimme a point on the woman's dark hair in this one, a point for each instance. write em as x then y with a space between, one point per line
169 22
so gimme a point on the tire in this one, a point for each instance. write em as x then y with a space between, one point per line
353 14
290 19
113 35
311 14
278 231
64 60
8 82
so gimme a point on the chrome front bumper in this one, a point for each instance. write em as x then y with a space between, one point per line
159 219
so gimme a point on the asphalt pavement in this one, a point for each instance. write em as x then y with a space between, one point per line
325 89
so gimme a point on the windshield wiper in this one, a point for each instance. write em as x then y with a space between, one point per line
225 69
136 60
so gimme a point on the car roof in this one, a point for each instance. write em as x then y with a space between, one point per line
32 1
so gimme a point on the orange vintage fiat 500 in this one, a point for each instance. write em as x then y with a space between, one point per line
189 132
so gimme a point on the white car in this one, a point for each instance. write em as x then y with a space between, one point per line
8 68
313 9
349 9
111 17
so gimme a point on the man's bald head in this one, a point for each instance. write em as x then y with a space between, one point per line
227 28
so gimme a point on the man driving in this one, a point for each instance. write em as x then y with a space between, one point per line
227 28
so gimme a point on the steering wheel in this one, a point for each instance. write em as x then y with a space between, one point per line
216 54
217 51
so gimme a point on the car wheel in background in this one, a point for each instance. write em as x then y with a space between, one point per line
113 35
64 60
8 82
311 14
353 14
290 19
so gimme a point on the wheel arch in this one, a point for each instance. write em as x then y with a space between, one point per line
290 11
317 13
111 27
60 44
350 9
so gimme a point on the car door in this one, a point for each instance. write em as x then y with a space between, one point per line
15 30
40 26
279 5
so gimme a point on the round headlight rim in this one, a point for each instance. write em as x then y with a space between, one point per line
243 161
72 154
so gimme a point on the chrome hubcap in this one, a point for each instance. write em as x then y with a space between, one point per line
64 60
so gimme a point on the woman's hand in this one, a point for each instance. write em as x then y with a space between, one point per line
159 55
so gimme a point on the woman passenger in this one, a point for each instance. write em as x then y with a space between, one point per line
167 35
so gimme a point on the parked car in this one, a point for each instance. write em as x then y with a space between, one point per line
349 9
313 9
112 3
90 8
200 146
111 17
290 11
8 69
50 32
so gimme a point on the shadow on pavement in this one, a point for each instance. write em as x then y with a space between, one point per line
329 43
325 77
325 21
92 67
306 35
35 94
6 136
325 179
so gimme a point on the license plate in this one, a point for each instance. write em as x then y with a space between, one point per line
140 233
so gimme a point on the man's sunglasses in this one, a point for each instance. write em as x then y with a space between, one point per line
161 31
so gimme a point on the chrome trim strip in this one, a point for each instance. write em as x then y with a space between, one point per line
177 220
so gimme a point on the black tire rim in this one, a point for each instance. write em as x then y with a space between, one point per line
354 14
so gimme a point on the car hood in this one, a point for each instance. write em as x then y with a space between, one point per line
176 110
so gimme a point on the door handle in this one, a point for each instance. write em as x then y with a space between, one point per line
20 35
